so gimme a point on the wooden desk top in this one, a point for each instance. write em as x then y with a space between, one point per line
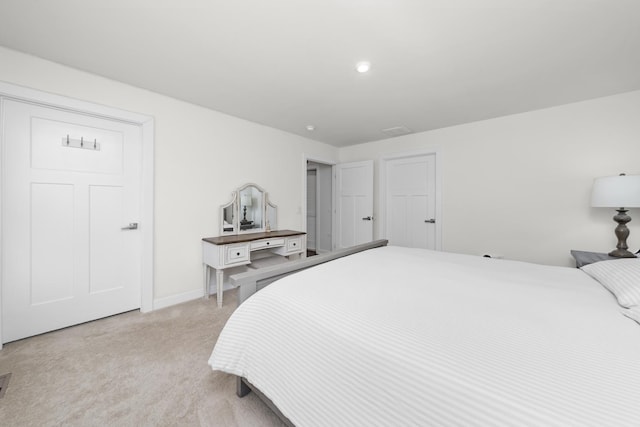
248 237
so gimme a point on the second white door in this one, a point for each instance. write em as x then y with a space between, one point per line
410 195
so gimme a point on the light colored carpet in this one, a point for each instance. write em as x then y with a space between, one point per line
132 369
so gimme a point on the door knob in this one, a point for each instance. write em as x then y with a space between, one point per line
430 221
131 226
367 218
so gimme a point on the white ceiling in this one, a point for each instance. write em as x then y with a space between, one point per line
291 63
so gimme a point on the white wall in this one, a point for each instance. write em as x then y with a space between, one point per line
520 185
201 156
517 185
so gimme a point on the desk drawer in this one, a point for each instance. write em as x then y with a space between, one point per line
236 253
294 244
267 243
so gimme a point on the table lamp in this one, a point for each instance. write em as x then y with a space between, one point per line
245 200
620 192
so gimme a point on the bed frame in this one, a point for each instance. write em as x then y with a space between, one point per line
250 282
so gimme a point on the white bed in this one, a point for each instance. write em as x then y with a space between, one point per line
396 337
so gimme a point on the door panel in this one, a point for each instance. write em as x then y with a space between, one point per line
66 259
354 183
52 251
47 154
347 222
105 239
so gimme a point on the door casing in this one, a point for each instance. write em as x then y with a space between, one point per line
332 163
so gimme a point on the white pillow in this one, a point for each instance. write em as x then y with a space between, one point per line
620 276
632 313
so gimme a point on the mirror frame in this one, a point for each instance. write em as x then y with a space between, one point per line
234 216
267 210
270 214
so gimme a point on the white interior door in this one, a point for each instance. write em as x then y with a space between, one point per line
410 194
354 187
66 257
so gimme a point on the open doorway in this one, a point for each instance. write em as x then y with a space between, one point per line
319 219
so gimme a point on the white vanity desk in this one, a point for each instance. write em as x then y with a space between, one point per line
225 252
246 238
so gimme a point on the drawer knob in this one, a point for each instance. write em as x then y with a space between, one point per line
294 244
237 253
268 243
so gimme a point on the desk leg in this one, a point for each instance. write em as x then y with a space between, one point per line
207 277
219 284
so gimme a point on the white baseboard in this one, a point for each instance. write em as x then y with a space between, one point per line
176 299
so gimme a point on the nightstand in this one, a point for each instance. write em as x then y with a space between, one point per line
584 257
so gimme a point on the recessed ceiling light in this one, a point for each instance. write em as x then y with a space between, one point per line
363 67
311 128
397 131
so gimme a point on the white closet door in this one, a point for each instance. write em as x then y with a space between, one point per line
66 257
410 201
354 184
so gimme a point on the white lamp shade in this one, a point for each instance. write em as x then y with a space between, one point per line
246 200
621 191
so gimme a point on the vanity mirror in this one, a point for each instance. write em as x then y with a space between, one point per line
249 211
228 216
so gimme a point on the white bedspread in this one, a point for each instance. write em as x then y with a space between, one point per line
398 337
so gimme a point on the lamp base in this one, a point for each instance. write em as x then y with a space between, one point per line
622 232
622 253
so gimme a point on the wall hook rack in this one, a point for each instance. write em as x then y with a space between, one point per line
79 143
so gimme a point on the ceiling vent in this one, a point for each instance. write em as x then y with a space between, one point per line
397 131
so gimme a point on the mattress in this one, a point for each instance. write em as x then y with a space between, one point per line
400 336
